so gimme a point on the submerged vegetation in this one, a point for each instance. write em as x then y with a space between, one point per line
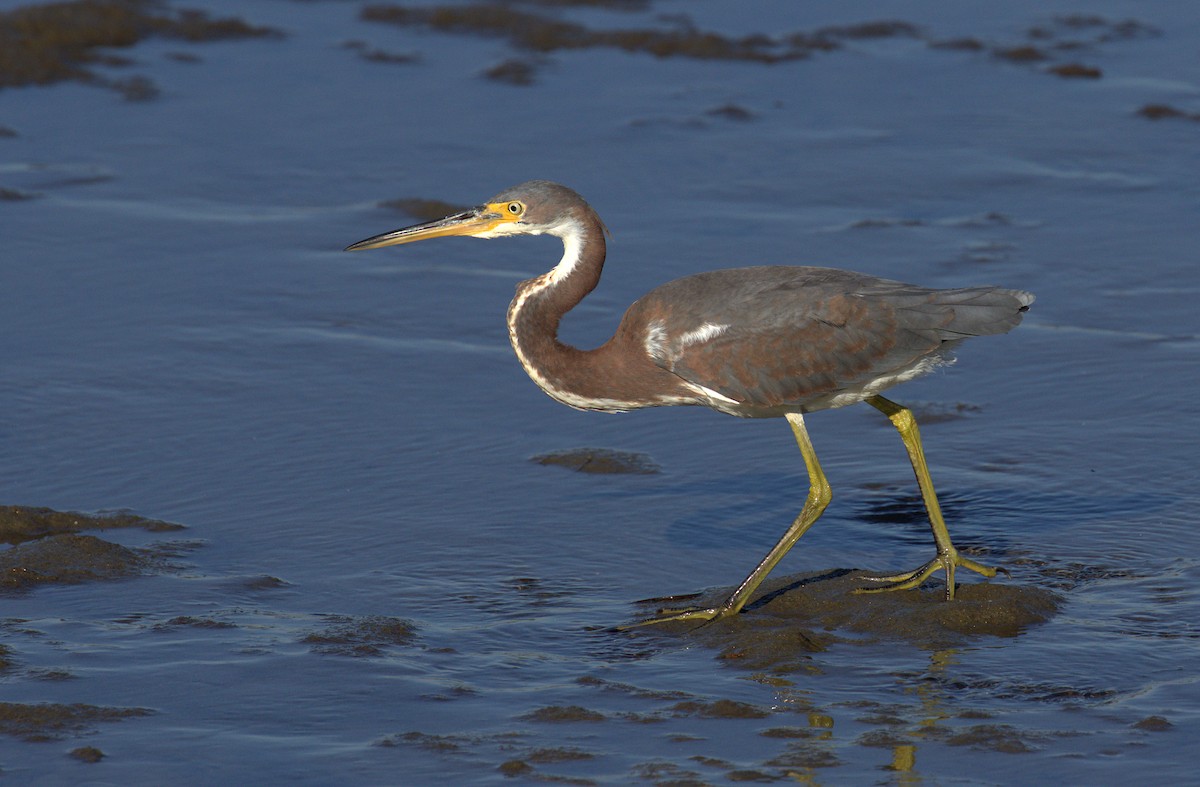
55 42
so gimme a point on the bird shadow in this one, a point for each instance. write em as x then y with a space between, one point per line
795 585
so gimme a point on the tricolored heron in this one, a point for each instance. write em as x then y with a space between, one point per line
756 342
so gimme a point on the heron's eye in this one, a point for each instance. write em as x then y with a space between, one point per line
516 208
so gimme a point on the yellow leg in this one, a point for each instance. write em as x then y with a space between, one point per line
818 497
947 557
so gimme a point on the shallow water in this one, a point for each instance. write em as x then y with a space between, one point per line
376 585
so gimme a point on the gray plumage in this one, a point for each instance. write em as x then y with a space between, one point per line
812 338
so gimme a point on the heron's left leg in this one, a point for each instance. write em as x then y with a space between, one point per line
947 558
818 497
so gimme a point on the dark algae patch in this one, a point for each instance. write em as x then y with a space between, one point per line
54 42
600 460
1002 738
1167 112
558 754
87 754
368 636
51 721
1153 724
195 623
68 559
800 615
525 766
26 523
1076 71
544 33
543 30
50 547
513 71
14 195
540 33
721 709
731 112
372 55
1021 54
514 768
559 714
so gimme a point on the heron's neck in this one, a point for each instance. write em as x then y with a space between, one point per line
572 376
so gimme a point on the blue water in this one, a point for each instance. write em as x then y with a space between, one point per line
182 337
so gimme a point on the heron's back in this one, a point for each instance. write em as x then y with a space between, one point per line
771 339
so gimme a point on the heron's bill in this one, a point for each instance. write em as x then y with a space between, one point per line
477 221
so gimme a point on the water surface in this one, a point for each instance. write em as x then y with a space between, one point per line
377 585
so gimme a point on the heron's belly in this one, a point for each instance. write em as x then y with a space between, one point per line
815 402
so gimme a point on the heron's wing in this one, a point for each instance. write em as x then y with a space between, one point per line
768 337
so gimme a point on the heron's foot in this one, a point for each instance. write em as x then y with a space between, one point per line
945 561
701 615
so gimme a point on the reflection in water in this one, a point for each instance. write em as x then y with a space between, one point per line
904 760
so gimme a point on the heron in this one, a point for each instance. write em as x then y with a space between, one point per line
755 342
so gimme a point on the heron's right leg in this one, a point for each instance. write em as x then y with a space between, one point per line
947 557
819 495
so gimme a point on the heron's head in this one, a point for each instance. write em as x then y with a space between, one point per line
532 208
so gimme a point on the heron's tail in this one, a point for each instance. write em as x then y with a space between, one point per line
981 311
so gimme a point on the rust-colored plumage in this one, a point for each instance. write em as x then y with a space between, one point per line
777 341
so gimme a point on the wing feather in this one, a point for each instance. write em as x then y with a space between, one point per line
787 336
